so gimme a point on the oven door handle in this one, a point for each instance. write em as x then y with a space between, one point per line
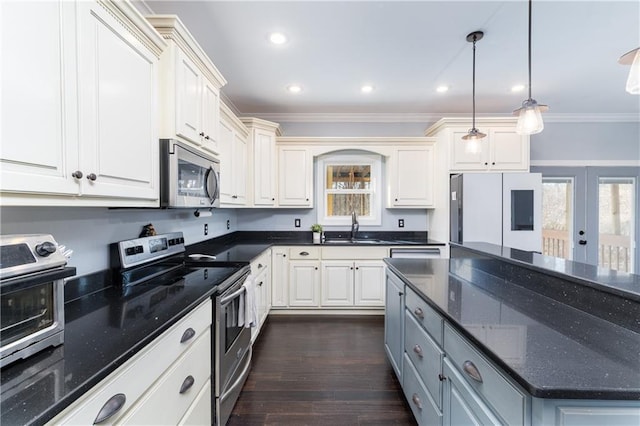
240 377
226 299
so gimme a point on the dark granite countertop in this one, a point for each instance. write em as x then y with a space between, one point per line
104 327
621 283
554 350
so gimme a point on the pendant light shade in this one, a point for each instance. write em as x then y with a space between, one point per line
633 81
474 134
530 114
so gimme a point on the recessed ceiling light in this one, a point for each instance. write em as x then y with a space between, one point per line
518 88
367 88
294 88
442 89
277 38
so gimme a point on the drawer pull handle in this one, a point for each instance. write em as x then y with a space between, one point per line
188 334
416 401
186 385
417 349
419 313
472 371
112 406
260 265
304 253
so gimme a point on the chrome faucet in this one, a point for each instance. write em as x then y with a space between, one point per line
354 225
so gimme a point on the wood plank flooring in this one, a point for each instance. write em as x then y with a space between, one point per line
321 370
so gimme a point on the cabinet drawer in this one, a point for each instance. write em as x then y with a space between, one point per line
505 399
354 253
145 368
426 316
200 411
165 403
423 407
305 252
261 263
425 355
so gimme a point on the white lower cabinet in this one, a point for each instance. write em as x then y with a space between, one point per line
279 277
261 272
394 323
352 283
337 283
304 283
158 385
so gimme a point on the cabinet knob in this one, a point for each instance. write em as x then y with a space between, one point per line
472 371
187 383
352 268
201 133
441 377
307 199
273 199
111 407
207 137
419 313
396 199
284 255
486 164
316 268
417 349
77 174
493 163
234 196
416 401
260 265
260 283
92 177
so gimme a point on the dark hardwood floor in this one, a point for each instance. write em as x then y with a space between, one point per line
321 370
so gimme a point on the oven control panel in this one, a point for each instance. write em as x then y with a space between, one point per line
23 254
138 251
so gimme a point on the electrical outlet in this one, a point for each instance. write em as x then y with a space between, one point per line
206 229
297 223
228 224
400 223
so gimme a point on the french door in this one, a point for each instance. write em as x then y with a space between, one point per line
591 215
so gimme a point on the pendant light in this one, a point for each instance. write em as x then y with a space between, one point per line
474 134
529 115
633 82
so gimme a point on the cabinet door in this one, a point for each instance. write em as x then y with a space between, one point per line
296 177
304 283
117 92
264 168
468 155
509 150
394 323
337 283
240 169
38 118
369 283
412 178
188 98
279 277
210 116
462 406
227 185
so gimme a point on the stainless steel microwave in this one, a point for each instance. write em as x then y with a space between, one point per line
188 177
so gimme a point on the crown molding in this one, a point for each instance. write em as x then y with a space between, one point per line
411 117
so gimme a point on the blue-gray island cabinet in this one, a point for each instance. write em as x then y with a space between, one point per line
475 346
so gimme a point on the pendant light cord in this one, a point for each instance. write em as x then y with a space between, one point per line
473 126
530 3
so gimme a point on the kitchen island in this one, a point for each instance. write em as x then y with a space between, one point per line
560 347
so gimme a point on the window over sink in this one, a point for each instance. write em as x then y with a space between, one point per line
349 182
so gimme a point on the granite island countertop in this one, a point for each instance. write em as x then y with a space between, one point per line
553 350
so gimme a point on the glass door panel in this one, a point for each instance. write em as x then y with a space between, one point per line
616 218
557 217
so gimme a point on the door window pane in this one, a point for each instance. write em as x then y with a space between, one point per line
557 217
615 223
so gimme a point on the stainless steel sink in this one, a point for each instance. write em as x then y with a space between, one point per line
358 241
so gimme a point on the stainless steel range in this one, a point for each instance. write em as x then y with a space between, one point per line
160 260
32 272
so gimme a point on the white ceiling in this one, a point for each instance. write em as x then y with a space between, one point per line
406 49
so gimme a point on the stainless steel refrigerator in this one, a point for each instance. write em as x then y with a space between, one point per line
498 208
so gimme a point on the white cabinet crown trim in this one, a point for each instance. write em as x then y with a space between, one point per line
172 28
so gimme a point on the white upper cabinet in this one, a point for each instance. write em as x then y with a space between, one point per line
233 159
501 150
295 180
263 161
85 82
411 176
190 87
